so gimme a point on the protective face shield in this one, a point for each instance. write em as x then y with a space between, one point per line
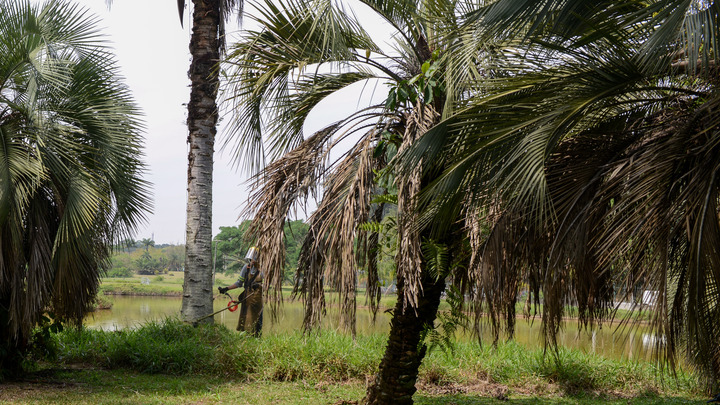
253 253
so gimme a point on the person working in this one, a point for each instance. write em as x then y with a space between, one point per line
251 307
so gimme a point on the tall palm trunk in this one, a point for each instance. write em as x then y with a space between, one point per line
202 120
396 377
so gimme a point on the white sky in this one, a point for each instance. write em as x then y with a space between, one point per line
152 50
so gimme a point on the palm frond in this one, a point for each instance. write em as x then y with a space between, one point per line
282 185
269 85
345 205
71 164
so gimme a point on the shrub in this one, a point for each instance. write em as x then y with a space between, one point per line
119 272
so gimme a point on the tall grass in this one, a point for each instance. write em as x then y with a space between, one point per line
174 347
571 371
330 356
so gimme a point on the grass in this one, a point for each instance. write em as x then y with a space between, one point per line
164 284
172 362
89 386
172 347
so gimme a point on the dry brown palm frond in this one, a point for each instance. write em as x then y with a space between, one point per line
309 278
475 220
409 255
278 188
635 207
345 205
556 260
368 250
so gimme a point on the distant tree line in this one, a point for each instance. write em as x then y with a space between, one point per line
144 257
229 248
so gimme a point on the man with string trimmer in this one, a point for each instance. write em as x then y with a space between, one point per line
251 307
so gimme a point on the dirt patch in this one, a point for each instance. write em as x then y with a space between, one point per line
480 388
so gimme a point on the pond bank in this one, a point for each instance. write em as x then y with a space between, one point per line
144 293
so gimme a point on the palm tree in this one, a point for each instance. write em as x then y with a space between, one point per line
147 242
70 171
206 44
599 159
303 53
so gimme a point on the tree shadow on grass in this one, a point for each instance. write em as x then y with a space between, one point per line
92 385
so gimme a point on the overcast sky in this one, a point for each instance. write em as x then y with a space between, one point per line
152 50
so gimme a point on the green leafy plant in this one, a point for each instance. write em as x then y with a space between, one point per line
424 87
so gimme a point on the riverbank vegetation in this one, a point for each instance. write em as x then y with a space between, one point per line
174 362
165 284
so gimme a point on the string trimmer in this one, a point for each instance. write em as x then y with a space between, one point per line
232 306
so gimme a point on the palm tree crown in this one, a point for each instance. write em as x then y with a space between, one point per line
565 145
70 177
599 158
303 54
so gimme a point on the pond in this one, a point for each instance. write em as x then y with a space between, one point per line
132 311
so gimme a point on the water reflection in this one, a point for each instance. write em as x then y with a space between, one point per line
130 312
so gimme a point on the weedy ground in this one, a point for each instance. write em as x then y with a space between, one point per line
175 363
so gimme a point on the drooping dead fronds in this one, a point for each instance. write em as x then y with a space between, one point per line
345 205
309 278
637 209
368 250
664 224
278 188
409 254
555 261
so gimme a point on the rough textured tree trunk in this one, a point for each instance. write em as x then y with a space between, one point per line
396 377
202 120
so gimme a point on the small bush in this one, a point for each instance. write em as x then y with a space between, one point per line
101 302
119 272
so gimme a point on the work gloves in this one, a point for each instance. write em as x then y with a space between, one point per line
223 290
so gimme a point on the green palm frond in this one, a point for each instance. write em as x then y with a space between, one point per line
600 162
437 257
276 77
683 33
70 162
521 120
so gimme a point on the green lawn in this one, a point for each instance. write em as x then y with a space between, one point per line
93 386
